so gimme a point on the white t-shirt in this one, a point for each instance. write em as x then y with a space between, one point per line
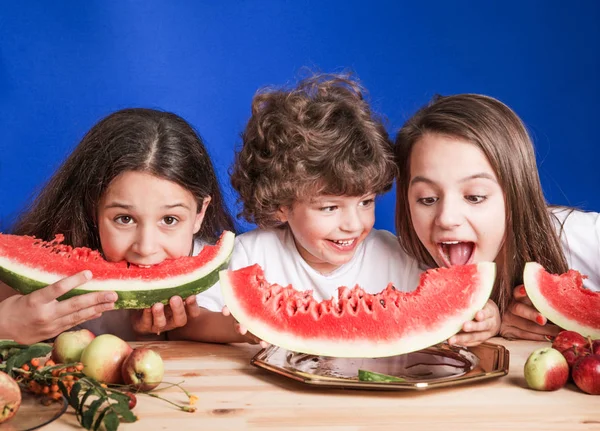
580 239
378 260
117 322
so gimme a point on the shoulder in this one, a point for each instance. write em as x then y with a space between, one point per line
378 239
571 221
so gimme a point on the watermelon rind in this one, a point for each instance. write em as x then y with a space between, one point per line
531 275
360 347
132 293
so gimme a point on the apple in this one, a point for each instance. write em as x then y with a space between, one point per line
69 345
586 374
10 397
596 347
143 369
546 369
103 357
570 339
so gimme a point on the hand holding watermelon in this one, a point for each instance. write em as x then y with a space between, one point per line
38 315
242 330
521 320
484 326
160 318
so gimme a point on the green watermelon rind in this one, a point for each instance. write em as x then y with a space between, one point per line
144 294
531 274
354 348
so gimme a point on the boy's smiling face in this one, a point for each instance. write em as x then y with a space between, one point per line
328 229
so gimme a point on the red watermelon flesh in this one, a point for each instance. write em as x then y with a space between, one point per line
356 323
563 299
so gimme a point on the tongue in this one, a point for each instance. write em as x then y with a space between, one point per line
459 253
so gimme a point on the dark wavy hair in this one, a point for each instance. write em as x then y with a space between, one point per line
500 134
142 140
317 138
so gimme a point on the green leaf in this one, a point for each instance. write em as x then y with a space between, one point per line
111 421
74 395
371 376
100 418
119 396
86 395
87 419
122 409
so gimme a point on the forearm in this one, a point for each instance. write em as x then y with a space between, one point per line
208 327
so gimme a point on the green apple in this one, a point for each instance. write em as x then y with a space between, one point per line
143 369
103 357
546 369
69 345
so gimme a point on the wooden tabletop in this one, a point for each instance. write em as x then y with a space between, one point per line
234 395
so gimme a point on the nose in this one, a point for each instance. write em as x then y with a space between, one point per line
351 221
449 214
146 241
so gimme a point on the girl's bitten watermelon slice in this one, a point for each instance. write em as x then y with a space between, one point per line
28 264
563 300
355 323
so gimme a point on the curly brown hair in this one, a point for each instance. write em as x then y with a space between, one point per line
317 138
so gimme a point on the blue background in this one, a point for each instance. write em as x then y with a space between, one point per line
64 65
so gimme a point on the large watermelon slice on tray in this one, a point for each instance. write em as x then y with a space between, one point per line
356 323
27 264
563 299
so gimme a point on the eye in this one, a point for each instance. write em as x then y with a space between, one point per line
170 220
328 209
475 199
427 201
367 202
124 219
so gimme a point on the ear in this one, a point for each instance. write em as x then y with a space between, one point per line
283 214
200 215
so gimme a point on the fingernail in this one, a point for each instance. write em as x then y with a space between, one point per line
87 274
111 297
522 291
541 320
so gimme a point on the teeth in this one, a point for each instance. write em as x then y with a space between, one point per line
348 242
145 266
450 242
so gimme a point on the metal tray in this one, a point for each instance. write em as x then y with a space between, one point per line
437 366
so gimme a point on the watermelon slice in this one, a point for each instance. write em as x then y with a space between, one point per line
563 299
27 264
355 323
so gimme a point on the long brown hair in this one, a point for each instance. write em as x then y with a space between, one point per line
319 137
144 140
495 129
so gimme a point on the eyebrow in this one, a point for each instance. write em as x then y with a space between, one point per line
130 207
484 175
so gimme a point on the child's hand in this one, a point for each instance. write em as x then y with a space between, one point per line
38 315
485 325
252 339
160 318
522 320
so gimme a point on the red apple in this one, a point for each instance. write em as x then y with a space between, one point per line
10 397
571 339
103 357
596 347
69 345
143 369
546 369
586 374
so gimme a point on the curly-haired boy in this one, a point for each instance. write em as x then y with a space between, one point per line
313 160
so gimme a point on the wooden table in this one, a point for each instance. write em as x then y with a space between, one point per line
233 395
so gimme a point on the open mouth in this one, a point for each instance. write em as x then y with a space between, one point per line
456 252
343 244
